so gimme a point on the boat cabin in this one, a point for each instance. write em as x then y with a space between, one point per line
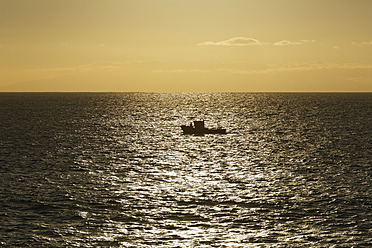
198 128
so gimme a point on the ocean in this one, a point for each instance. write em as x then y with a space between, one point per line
115 170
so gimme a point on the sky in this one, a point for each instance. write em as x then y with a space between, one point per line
186 45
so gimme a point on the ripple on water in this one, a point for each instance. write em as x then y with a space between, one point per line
114 170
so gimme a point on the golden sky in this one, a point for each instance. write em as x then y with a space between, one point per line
186 45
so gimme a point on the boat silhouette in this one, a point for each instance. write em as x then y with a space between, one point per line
198 128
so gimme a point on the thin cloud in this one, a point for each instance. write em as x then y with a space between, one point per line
247 41
237 41
278 68
363 43
286 43
304 67
290 43
183 71
105 65
101 66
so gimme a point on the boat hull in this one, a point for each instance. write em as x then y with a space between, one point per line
201 131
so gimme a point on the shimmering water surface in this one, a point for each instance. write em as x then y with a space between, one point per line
114 170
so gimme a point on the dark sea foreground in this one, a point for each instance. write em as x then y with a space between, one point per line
114 170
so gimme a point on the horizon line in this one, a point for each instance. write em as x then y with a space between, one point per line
162 92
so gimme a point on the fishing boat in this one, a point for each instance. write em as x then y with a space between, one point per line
198 128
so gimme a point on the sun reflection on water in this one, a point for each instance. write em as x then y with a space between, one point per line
121 174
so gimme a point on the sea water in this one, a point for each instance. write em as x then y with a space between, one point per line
114 170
